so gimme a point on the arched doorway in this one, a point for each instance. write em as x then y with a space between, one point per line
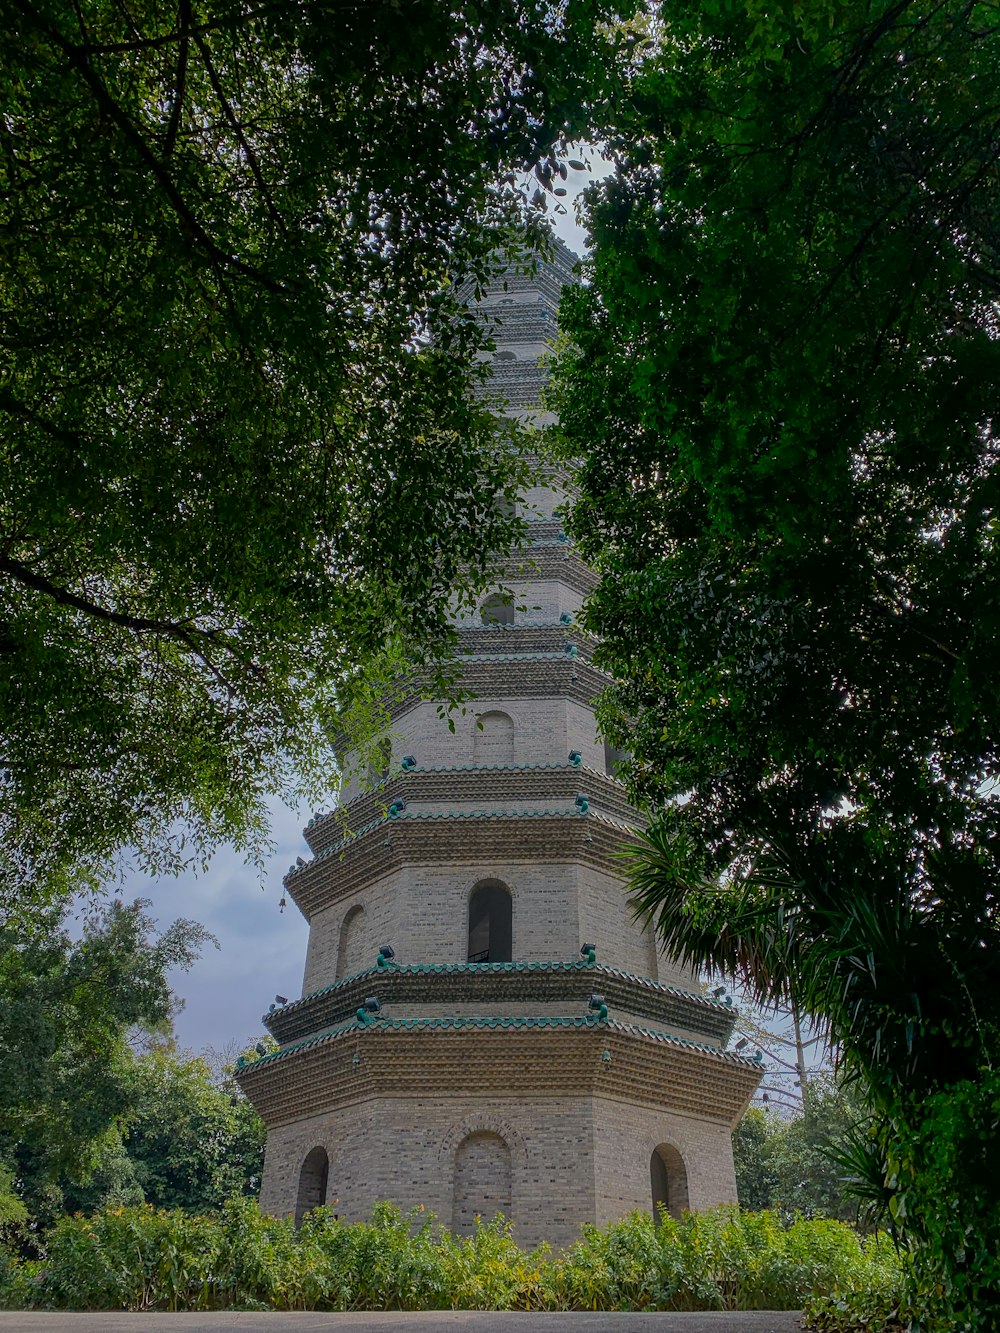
349 947
668 1179
314 1179
493 739
491 923
482 1181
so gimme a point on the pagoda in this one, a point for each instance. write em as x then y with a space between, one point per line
484 1027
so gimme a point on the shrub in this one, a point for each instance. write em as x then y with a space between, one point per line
719 1260
130 1259
945 1169
8 1269
868 1306
143 1259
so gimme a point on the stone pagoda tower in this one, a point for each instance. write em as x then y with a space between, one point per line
520 1046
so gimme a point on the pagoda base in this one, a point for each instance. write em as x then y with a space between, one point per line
549 1164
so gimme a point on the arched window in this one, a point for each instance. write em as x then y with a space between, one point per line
612 759
381 760
349 948
498 609
314 1179
482 1181
668 1179
491 927
493 739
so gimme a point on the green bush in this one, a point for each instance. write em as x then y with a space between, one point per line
8 1269
144 1259
945 1170
869 1307
719 1260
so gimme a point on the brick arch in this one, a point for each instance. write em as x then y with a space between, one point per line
484 1123
314 1182
349 943
494 737
668 1179
482 1180
497 876
483 873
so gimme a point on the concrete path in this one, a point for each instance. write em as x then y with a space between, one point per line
755 1321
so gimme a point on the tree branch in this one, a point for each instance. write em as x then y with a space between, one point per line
237 129
22 574
183 23
193 227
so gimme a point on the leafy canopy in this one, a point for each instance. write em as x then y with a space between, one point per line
192 1139
792 1163
239 458
781 380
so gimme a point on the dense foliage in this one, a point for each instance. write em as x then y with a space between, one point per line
792 1164
67 1006
781 381
239 461
138 1258
86 1119
192 1138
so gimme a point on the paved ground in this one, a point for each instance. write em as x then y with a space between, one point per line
447 1322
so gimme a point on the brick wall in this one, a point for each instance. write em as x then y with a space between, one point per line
422 911
405 1150
544 732
625 1138
570 1160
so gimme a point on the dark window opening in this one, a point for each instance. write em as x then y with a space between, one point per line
613 759
668 1180
314 1179
498 609
491 926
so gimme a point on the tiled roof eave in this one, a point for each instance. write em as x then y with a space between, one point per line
456 1023
407 775
407 816
553 965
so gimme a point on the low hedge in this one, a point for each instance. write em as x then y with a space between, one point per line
144 1259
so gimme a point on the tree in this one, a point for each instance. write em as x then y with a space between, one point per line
793 1163
66 1066
795 1054
754 1177
240 460
781 381
192 1139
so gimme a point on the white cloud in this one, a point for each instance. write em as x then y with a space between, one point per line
261 951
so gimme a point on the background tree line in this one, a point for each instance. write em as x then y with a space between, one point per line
97 1105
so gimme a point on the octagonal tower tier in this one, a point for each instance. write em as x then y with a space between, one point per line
484 1062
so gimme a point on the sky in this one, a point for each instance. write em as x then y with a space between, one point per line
261 950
